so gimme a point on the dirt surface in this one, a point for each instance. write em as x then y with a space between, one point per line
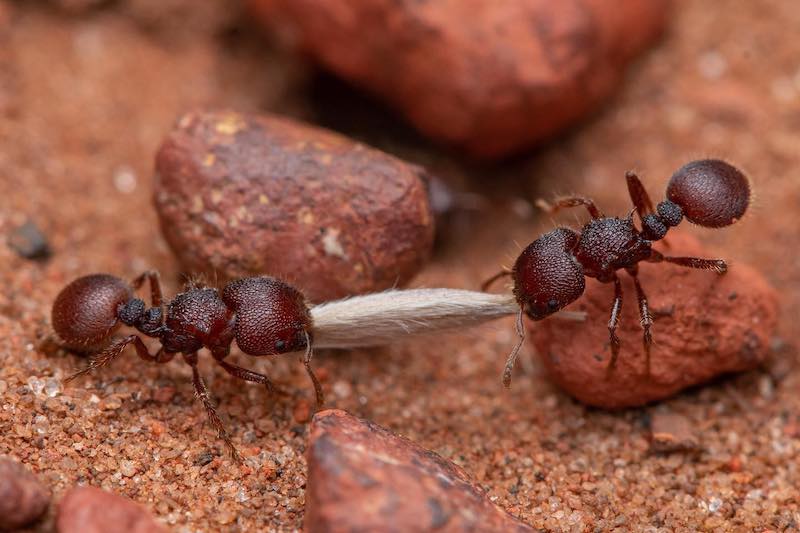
84 103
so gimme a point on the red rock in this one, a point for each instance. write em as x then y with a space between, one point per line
489 76
92 510
22 498
705 325
362 477
240 195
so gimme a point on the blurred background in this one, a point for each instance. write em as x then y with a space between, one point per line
506 102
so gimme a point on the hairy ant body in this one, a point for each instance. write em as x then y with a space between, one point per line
264 315
549 274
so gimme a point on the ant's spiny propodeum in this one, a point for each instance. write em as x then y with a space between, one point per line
265 316
549 273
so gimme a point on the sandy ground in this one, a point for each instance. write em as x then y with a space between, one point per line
84 102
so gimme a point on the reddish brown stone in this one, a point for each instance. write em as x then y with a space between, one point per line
241 195
489 76
22 498
362 477
705 325
92 510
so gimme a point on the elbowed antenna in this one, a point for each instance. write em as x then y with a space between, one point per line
390 316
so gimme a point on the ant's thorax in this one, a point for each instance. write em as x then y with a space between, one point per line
608 244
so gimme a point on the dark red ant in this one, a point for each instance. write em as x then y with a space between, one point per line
265 316
549 273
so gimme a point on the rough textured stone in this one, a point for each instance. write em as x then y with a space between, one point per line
241 195
672 432
92 510
705 325
22 498
361 477
491 77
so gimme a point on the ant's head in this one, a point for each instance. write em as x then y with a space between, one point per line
546 275
271 316
709 192
85 312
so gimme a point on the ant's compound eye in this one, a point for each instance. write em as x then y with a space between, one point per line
552 305
711 193
280 345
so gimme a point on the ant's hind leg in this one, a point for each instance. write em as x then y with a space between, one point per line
488 283
717 265
616 307
646 318
201 391
569 201
113 350
155 286
639 197
248 375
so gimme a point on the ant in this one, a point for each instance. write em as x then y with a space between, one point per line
264 315
549 274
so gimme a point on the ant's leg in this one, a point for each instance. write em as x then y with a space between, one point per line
569 201
717 265
113 350
646 319
155 286
612 324
203 395
314 380
639 197
247 375
512 358
488 283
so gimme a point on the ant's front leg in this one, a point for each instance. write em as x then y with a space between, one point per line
639 197
488 283
569 201
644 314
201 391
512 358
717 265
612 325
155 286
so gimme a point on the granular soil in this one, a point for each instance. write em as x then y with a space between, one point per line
84 102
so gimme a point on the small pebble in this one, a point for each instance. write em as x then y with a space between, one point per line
672 432
362 477
240 195
92 510
29 242
23 499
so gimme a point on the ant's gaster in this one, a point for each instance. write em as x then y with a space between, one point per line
265 316
549 273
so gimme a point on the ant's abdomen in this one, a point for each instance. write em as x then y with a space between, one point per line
85 312
711 192
546 275
271 316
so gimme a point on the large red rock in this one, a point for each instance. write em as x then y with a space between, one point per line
243 195
705 325
489 76
23 499
361 477
92 510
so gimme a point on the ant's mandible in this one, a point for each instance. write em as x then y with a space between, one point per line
549 273
264 315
